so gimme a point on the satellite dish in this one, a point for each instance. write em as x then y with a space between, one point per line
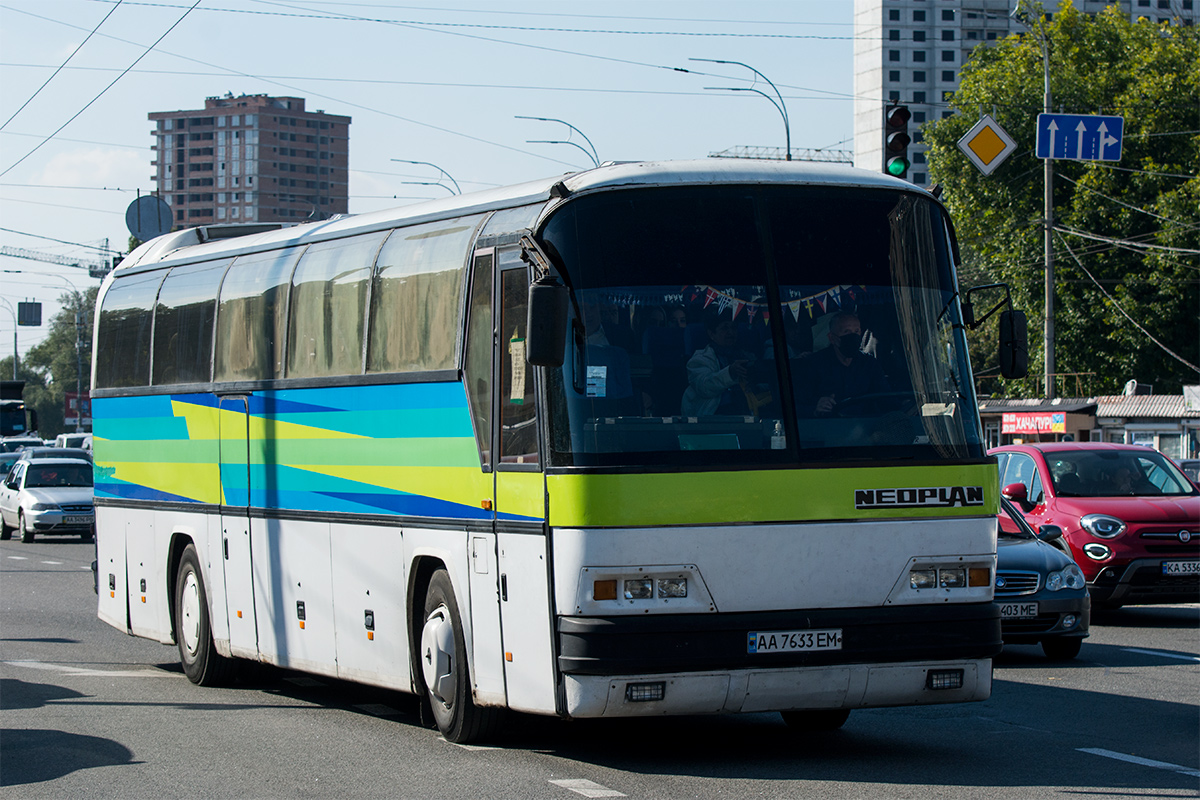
148 217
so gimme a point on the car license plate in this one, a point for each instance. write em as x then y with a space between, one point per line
792 641
1181 568
78 520
1018 610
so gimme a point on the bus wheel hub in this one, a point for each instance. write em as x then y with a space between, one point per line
437 655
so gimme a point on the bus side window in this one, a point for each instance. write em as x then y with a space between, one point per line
477 367
123 339
518 405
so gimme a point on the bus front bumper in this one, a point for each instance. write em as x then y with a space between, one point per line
751 691
709 663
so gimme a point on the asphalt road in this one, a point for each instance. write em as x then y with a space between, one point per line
90 712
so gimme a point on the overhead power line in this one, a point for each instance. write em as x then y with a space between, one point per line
74 116
38 91
1124 313
1126 243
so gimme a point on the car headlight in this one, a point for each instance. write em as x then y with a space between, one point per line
1069 577
43 507
1102 525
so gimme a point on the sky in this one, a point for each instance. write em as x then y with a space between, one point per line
434 82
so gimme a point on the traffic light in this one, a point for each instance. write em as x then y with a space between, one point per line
896 140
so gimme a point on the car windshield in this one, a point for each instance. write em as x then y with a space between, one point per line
1012 523
772 324
42 476
1116 473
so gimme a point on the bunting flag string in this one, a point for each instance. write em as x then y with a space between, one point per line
835 297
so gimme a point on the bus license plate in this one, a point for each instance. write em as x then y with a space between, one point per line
1018 610
78 520
1181 568
792 641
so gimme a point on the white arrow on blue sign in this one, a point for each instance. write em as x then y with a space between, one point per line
1077 137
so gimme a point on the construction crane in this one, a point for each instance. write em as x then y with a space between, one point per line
96 269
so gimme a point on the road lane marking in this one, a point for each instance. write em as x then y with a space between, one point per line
18 558
586 788
1162 653
52 562
83 672
1145 762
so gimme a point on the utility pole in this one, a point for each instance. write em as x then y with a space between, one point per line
1048 344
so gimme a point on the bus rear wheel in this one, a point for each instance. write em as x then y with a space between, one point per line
816 720
202 664
444 668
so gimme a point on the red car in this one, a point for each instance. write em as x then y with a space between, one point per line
1130 516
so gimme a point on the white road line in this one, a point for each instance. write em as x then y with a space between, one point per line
587 788
52 562
471 747
1160 653
1145 762
83 672
18 558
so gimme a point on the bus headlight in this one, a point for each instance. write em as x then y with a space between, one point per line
672 587
923 578
638 589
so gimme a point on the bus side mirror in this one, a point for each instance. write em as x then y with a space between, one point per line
1014 344
546 337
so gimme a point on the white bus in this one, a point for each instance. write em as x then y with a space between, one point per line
577 447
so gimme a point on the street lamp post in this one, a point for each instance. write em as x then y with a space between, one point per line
780 106
592 154
449 177
12 311
78 350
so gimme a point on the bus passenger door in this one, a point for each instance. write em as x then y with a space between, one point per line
525 613
235 526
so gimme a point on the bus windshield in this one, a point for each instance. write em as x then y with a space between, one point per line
771 324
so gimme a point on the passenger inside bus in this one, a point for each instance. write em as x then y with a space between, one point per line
839 371
718 374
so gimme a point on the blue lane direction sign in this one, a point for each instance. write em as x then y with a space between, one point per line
1079 137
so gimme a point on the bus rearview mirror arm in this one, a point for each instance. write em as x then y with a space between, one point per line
1014 338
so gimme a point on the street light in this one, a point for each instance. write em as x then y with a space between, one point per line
592 154
78 349
456 190
780 106
12 311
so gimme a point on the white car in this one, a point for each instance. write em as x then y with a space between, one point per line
50 495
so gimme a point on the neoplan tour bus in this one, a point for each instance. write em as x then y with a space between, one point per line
576 447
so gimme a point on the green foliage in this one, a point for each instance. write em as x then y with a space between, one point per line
54 362
1149 73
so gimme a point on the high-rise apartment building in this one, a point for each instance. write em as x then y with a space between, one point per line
911 52
251 158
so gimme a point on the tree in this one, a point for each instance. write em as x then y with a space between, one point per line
1127 241
56 356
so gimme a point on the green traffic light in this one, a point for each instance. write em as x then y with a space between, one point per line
897 166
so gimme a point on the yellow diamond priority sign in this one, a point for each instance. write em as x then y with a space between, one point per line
987 144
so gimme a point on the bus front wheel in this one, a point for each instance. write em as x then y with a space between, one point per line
202 664
444 668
